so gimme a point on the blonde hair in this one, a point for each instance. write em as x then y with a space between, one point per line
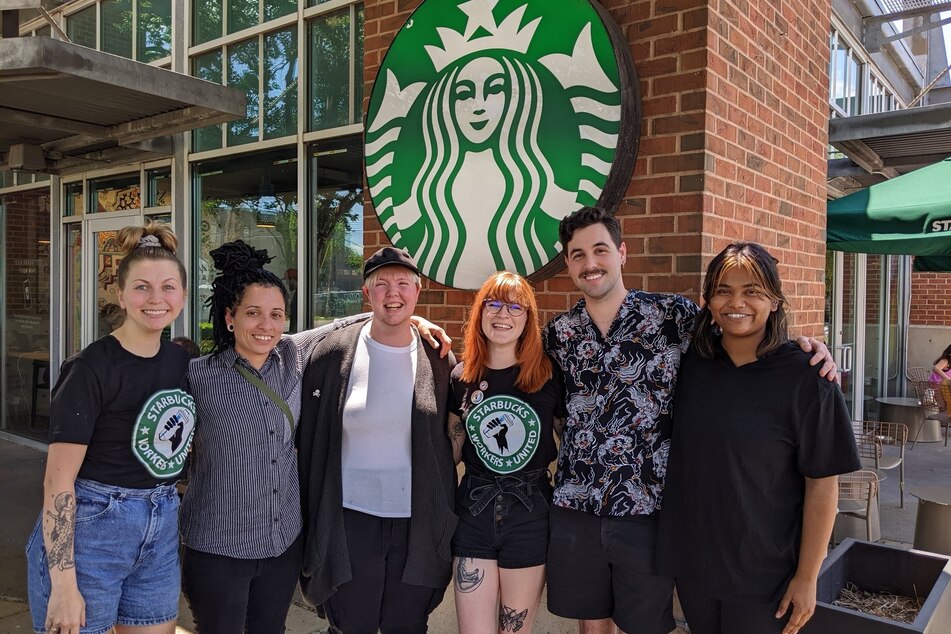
371 278
154 241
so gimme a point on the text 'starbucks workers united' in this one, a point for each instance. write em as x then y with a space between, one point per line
489 122
163 432
504 431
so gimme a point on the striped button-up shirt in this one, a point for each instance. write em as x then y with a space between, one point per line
243 498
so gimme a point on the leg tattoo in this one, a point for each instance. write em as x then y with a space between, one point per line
60 554
510 620
467 581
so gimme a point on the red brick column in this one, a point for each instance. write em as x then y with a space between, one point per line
733 145
931 299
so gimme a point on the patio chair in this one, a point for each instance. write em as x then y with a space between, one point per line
857 497
934 399
880 435
918 373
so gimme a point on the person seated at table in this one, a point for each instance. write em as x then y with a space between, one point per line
942 367
758 440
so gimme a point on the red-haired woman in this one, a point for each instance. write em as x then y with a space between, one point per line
504 402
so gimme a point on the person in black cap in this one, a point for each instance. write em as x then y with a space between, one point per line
377 473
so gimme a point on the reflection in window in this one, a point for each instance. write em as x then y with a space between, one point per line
73 251
114 194
116 27
280 84
73 199
154 30
330 70
241 14
206 20
207 67
81 27
252 198
243 75
159 183
336 229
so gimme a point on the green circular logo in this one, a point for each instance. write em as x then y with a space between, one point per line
489 122
163 432
505 432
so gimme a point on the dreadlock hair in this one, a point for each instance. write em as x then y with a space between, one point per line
534 367
241 265
154 241
763 269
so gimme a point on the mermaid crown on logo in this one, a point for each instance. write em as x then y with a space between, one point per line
508 35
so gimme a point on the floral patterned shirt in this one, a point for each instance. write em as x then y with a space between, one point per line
619 391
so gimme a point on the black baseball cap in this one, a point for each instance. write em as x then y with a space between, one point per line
388 256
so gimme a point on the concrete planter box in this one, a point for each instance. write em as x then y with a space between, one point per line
880 568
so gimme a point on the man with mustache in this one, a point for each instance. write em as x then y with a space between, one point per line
619 352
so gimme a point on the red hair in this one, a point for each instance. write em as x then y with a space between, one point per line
534 366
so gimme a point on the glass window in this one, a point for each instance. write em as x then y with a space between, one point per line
358 67
280 83
242 14
43 31
253 198
277 8
243 74
81 27
72 286
853 81
116 27
206 20
329 51
207 67
335 230
114 194
159 187
6 179
25 312
41 178
73 199
154 30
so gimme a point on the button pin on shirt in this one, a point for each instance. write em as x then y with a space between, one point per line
316 394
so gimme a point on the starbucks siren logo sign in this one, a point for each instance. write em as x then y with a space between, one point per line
504 431
163 432
490 121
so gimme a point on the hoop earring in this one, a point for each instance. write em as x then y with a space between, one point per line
230 327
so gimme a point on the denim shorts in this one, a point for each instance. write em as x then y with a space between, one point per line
503 518
126 554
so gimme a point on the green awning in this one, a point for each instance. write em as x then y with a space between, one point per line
907 215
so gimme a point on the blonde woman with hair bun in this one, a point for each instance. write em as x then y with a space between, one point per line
104 552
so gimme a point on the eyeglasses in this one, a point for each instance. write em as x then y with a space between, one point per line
495 306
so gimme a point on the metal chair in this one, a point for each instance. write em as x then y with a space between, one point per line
857 497
880 435
934 399
917 373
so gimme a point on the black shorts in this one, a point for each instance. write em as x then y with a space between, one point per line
505 529
603 567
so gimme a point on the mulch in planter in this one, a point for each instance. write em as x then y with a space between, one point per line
882 604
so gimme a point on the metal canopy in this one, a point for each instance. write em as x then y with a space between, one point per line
67 108
888 144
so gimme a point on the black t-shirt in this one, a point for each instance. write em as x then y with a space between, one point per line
507 430
744 439
132 412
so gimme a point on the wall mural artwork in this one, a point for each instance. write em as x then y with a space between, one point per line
490 121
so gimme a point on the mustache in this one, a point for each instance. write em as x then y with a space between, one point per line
587 272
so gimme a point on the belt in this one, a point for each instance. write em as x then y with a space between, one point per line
521 485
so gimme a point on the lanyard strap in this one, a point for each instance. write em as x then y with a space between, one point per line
271 394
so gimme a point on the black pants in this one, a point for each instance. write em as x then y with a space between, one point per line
229 596
707 615
376 599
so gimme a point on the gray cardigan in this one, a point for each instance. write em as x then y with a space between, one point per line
326 563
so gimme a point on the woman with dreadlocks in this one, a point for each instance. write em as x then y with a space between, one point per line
241 516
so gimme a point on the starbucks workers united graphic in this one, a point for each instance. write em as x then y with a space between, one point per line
489 122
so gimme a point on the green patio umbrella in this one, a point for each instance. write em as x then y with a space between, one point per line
933 263
907 215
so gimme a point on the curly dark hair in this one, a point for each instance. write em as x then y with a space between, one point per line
241 265
585 217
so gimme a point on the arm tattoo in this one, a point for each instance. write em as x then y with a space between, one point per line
60 552
510 620
468 581
458 431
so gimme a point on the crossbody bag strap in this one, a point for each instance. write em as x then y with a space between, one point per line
271 394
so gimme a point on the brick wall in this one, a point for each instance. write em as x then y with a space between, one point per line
26 217
931 299
734 96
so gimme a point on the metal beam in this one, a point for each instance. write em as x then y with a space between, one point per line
908 163
873 37
12 116
897 122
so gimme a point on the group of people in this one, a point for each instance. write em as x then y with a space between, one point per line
328 457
